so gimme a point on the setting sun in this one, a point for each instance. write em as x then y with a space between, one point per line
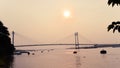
66 13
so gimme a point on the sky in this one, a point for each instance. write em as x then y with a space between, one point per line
43 21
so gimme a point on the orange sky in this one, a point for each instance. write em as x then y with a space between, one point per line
43 20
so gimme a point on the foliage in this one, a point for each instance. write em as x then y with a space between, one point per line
115 26
6 48
113 2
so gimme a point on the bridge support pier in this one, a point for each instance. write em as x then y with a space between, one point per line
13 33
76 41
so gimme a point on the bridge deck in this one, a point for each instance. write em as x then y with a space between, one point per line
93 45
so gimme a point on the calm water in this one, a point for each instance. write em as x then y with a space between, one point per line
60 57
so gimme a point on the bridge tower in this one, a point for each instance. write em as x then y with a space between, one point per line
13 33
76 40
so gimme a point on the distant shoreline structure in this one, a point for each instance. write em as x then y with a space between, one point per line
97 46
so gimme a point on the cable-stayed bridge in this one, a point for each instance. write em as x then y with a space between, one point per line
76 43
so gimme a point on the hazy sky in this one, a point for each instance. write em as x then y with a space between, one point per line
43 20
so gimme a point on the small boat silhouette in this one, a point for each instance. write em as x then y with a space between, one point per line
103 51
74 52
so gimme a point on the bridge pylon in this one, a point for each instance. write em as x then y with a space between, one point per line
76 40
13 33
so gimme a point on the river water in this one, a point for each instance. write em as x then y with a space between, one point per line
63 57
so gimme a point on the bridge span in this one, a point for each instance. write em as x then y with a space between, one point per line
84 45
49 44
76 43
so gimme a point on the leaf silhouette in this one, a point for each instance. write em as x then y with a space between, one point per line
113 2
118 22
109 2
119 29
116 27
110 27
113 23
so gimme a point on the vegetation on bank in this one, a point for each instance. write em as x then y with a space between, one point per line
6 48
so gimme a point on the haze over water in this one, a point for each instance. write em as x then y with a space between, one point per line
61 57
47 21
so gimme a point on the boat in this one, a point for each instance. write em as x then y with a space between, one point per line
103 51
74 52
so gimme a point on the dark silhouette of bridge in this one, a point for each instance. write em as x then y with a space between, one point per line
76 43
50 44
85 47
